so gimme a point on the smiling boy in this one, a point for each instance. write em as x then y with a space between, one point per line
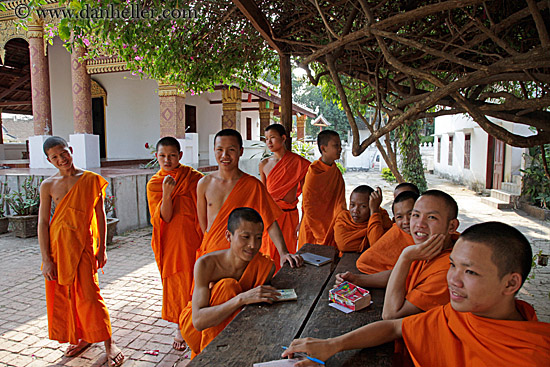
484 325
417 282
324 191
227 280
383 254
172 198
228 188
73 247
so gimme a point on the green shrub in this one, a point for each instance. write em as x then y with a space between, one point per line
536 185
341 167
388 175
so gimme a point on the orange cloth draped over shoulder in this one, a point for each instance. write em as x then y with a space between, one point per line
427 282
75 307
383 254
175 243
323 198
284 177
349 236
445 337
255 274
248 192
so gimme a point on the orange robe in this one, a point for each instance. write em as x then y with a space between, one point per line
427 282
383 254
323 198
175 243
445 337
349 236
76 310
285 176
248 192
255 274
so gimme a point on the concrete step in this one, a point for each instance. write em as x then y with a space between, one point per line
505 196
511 187
495 203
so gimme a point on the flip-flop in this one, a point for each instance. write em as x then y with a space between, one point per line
179 345
76 350
113 363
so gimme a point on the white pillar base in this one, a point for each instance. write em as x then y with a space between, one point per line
37 158
85 150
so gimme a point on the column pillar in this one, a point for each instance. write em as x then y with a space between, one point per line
172 111
266 116
40 81
231 106
82 94
301 127
85 144
40 94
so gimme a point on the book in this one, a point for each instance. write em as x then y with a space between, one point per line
314 259
287 295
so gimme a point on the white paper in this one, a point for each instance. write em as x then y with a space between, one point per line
278 363
340 307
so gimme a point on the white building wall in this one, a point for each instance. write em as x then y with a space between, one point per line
59 62
475 177
209 118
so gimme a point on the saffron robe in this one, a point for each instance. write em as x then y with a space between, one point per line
285 176
349 236
248 192
75 307
383 254
323 198
255 274
427 282
445 337
175 243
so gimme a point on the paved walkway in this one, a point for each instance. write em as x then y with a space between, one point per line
132 289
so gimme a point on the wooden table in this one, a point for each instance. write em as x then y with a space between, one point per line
258 332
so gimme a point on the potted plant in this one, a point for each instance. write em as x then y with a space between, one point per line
4 221
111 222
24 203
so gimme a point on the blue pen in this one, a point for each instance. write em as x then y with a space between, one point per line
299 354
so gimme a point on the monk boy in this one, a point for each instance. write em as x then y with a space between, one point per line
324 191
283 175
383 254
172 197
354 230
229 188
227 280
405 186
73 247
417 282
483 325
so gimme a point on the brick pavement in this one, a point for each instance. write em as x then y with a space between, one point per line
132 288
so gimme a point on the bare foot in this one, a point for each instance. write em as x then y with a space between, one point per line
115 357
75 349
179 344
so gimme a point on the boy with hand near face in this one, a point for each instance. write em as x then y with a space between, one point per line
383 254
172 198
484 325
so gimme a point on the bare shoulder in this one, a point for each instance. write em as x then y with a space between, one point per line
48 183
205 180
209 266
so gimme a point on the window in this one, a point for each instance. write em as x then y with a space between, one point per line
450 150
439 150
467 140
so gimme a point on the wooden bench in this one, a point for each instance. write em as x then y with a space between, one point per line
259 331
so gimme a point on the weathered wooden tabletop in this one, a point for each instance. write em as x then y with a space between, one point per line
259 331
